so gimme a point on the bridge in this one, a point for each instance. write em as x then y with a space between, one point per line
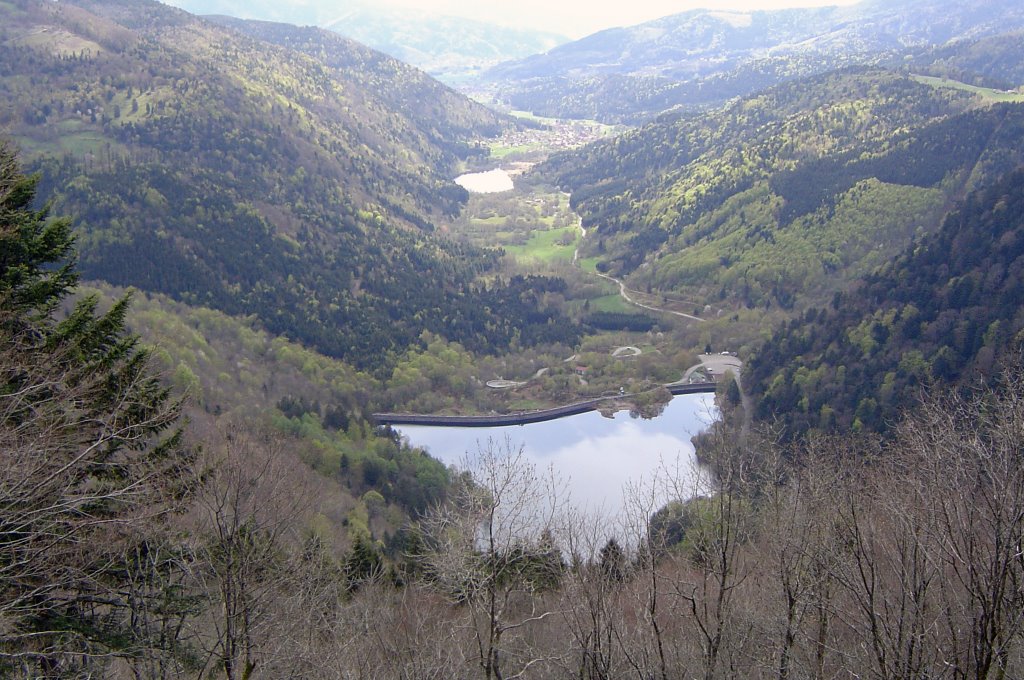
526 417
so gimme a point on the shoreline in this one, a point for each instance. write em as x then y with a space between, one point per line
527 417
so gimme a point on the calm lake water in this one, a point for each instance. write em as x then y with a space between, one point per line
595 456
490 182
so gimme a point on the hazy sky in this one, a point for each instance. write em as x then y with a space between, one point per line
577 18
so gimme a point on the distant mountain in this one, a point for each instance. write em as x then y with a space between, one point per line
782 198
705 57
995 61
944 313
234 173
445 46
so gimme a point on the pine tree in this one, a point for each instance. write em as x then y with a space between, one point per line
90 453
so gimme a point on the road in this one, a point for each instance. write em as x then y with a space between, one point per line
624 292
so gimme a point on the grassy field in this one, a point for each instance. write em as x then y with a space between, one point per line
589 264
612 303
499 151
546 246
60 42
985 93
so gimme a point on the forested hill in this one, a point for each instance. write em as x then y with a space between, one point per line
445 116
943 313
705 57
238 174
996 61
786 196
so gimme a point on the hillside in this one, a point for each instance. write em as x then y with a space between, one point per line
450 48
945 312
782 198
995 61
230 172
703 57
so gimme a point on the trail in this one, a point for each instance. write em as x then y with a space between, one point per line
624 292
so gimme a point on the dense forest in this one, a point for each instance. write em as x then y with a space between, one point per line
788 195
943 314
236 174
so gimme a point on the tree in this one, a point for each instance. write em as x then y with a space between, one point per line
251 502
489 548
90 456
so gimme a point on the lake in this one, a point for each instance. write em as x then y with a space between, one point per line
596 457
490 182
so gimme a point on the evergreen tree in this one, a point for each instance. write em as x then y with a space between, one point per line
89 454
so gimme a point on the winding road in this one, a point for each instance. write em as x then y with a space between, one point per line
624 292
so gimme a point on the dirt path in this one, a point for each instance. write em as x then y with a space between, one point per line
624 292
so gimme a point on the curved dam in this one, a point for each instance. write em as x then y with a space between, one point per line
525 417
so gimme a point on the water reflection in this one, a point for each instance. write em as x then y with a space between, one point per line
596 456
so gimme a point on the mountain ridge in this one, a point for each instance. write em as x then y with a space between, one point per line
705 57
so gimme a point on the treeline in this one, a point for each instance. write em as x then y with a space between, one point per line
940 315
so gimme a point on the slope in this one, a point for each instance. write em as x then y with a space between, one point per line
233 173
784 197
943 313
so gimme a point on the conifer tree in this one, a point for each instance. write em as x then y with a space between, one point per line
90 454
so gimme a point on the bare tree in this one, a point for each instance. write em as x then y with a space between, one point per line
965 457
489 549
250 507
593 596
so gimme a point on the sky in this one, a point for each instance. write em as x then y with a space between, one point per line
576 18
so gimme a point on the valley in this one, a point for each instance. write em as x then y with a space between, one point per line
688 348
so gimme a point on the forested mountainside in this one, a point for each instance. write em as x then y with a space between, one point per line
944 313
230 172
704 57
446 118
995 62
785 196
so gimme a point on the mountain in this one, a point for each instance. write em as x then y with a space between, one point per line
706 57
447 47
233 173
995 62
784 197
943 313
